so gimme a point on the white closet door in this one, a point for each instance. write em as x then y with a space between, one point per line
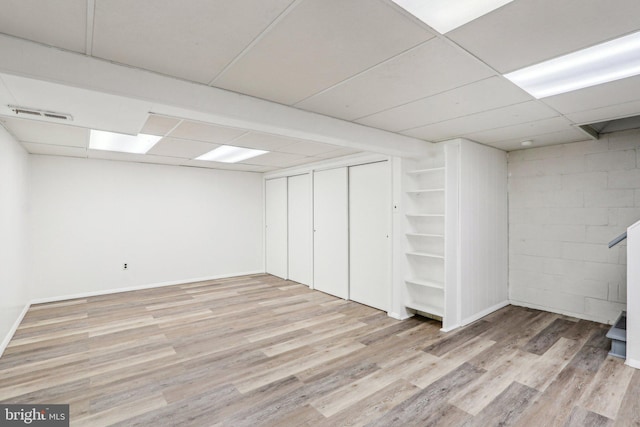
300 229
276 227
369 218
331 232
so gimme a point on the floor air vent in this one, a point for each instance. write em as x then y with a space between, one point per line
618 336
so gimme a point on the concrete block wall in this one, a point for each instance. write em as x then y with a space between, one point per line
566 202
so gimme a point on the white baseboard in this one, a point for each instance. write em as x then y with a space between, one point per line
139 287
14 328
398 316
633 363
563 312
484 312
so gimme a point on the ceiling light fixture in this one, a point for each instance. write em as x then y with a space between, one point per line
603 63
446 15
111 141
230 154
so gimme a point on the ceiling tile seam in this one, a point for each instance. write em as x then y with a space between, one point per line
366 70
427 97
466 135
470 115
498 73
470 135
24 141
255 40
617 117
91 9
165 135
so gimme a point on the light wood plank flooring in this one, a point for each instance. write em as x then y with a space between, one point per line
257 350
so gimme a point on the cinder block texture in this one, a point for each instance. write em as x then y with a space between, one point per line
566 202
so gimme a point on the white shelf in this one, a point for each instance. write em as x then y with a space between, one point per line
422 215
439 236
426 283
427 255
429 190
422 171
431 309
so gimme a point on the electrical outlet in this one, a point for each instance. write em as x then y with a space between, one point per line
125 266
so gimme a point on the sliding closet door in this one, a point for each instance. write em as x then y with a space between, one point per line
331 232
300 229
276 227
369 221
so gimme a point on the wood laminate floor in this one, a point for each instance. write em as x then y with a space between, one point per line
257 350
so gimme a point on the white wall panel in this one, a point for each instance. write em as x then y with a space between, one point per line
331 232
300 223
483 220
14 233
369 234
168 223
276 227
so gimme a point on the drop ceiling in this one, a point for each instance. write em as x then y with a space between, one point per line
366 63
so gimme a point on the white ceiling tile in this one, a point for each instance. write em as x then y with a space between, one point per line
618 92
184 148
55 150
159 125
308 148
264 141
277 159
492 119
487 94
522 131
606 113
56 23
46 133
191 39
405 78
205 132
227 166
318 44
338 153
138 158
526 32
554 138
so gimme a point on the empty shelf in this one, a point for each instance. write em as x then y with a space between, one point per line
426 190
425 254
441 236
421 171
431 309
426 283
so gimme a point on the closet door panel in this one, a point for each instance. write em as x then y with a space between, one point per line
331 232
369 222
276 227
300 229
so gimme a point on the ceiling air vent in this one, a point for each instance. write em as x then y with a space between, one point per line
33 113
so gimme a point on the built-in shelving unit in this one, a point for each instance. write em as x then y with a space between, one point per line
425 234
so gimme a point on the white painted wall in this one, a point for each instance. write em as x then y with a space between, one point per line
170 224
633 305
483 232
14 236
566 202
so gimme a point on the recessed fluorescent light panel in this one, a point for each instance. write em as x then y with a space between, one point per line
110 141
606 62
446 15
230 154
